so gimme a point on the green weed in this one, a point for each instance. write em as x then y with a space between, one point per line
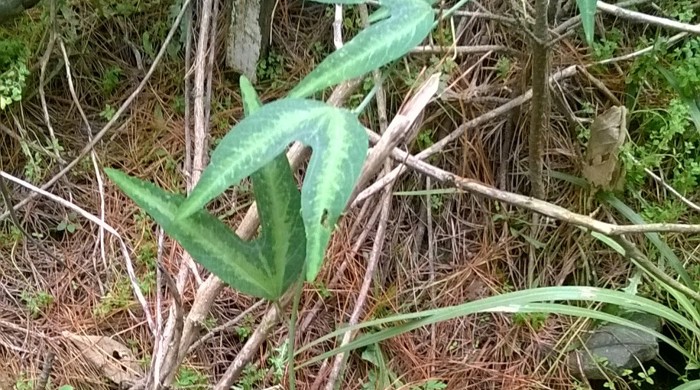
108 112
119 298
68 223
37 302
251 377
11 237
111 79
190 378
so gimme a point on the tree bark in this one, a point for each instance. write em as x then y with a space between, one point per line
248 35
539 119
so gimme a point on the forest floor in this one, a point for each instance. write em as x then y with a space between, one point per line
441 248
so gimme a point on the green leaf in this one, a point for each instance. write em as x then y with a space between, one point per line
587 10
692 385
689 99
633 217
339 144
526 301
377 45
209 241
655 238
279 203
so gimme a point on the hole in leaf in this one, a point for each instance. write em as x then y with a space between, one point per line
324 218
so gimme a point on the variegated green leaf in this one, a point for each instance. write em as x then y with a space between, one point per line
279 202
586 9
339 144
377 45
209 241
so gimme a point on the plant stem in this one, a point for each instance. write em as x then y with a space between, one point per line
292 331
365 102
539 119
539 116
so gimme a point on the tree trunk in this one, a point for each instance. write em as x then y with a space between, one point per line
248 35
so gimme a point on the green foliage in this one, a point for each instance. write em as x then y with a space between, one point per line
503 67
431 384
278 361
23 383
207 239
37 302
250 378
190 378
108 112
681 10
644 376
14 71
34 164
10 237
339 143
606 47
246 328
536 321
322 289
147 257
425 139
111 79
68 223
526 301
118 298
666 142
271 68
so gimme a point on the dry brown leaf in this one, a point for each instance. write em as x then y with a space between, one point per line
115 360
601 166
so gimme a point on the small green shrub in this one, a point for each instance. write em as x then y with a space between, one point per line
37 302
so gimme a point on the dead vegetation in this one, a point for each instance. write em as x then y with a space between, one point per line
440 249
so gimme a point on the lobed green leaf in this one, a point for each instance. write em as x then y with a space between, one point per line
279 203
208 240
339 144
410 21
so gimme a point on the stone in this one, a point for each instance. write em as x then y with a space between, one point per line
613 348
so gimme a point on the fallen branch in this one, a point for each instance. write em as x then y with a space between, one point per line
648 19
557 212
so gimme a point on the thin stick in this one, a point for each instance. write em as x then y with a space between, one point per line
672 190
236 367
5 193
377 246
338 27
539 206
640 17
43 379
461 50
429 88
42 77
638 53
478 121
225 326
93 158
116 116
200 77
556 212
107 227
